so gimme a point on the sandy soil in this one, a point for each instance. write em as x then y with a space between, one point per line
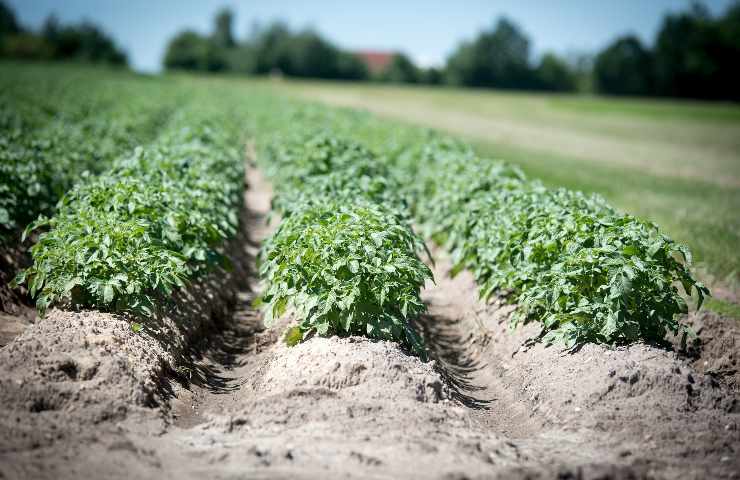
16 308
72 377
85 397
663 413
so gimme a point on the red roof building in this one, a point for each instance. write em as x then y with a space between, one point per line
375 61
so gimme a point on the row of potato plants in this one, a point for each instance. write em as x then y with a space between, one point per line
66 130
124 239
344 259
585 271
582 269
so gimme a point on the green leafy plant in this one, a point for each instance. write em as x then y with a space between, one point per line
123 239
346 269
67 128
571 262
344 260
307 153
583 270
347 185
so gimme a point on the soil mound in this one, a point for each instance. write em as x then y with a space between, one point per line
379 369
70 372
644 406
341 406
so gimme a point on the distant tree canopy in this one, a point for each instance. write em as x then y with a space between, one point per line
432 76
500 58
555 74
401 70
8 23
624 68
222 35
191 51
496 58
275 48
303 54
84 42
695 55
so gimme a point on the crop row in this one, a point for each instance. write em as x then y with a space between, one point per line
344 259
585 271
125 238
47 145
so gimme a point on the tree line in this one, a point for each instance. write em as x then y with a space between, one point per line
272 49
497 58
694 55
83 42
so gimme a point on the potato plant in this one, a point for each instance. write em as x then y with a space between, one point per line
346 269
347 185
145 221
156 219
345 259
583 270
586 272
46 145
304 154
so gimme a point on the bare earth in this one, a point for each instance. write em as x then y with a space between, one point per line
85 397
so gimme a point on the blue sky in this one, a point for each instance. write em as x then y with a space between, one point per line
428 30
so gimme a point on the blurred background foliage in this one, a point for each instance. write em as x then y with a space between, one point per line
694 55
84 42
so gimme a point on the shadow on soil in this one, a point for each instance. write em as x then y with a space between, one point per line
232 330
455 363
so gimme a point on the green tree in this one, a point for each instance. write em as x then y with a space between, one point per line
729 53
242 58
311 56
222 35
302 54
697 55
624 68
86 42
50 29
351 68
498 57
432 76
189 50
8 23
682 64
26 46
401 70
555 75
272 48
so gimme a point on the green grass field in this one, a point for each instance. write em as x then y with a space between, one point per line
674 162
